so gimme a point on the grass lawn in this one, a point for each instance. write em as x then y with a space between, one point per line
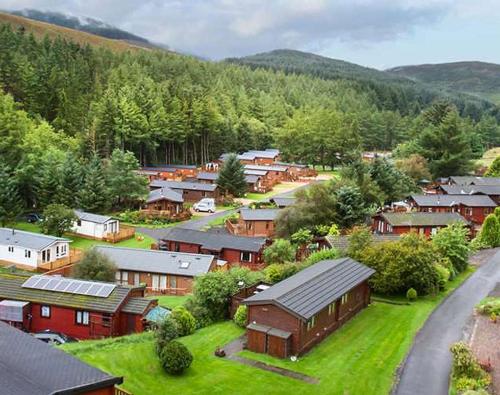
171 301
489 156
277 189
360 358
85 244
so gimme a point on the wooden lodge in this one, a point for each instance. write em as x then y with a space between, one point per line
256 157
100 227
190 191
493 191
297 313
165 203
253 223
169 172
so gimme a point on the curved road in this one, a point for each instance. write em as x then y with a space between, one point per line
427 367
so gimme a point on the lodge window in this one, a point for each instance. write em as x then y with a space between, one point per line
45 311
468 211
311 323
106 320
177 247
82 317
79 223
27 253
245 256
487 210
331 308
344 299
173 282
267 225
11 249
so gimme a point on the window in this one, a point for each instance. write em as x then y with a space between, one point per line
173 282
163 281
331 308
245 256
79 222
82 317
468 211
177 247
433 231
11 249
105 227
106 320
27 253
344 298
311 323
267 225
45 311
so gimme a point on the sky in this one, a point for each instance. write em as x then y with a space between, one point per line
374 33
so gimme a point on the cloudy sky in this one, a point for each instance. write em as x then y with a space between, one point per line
376 33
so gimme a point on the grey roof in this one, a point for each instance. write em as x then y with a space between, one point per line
438 200
154 261
169 167
342 242
214 241
283 201
164 194
90 217
193 186
31 366
271 154
243 156
137 305
471 189
311 290
250 179
205 175
266 167
255 172
261 214
292 164
29 240
423 219
11 288
472 180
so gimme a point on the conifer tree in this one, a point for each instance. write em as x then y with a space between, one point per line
93 196
232 177
10 203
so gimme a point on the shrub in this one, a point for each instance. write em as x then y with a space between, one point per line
321 255
95 266
276 272
488 306
360 238
322 230
186 324
57 219
466 369
166 331
469 384
240 317
452 242
280 251
490 231
202 315
411 295
444 275
301 237
175 357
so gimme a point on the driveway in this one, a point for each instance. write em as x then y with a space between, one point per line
427 367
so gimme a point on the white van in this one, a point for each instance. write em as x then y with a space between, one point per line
206 205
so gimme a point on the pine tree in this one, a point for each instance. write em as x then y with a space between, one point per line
71 181
490 232
48 181
232 177
93 196
10 203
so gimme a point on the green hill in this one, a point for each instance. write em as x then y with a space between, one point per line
478 78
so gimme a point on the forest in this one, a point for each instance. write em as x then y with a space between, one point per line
60 97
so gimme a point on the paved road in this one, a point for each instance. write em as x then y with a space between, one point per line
427 368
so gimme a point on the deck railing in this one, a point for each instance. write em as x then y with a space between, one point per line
121 391
126 232
74 256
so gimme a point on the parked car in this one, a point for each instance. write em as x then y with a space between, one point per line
53 337
33 217
206 205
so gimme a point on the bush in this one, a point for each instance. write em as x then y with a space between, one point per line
321 255
95 266
489 306
468 384
276 272
240 317
280 251
202 315
360 238
444 275
186 324
166 331
452 242
411 295
490 231
466 370
175 357
301 237
57 219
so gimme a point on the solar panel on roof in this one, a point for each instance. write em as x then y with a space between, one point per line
66 285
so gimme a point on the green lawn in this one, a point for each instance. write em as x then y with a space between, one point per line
171 301
277 189
85 244
360 358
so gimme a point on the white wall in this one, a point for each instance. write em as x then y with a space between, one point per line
92 229
58 250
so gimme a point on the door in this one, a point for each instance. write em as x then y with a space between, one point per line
136 279
155 282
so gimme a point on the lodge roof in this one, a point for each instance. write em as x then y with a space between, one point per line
164 193
298 165
20 238
266 167
471 189
251 179
268 153
422 219
283 201
255 172
181 185
137 305
341 242
214 241
90 217
473 180
205 175
155 261
311 290
262 214
11 288
438 200
30 366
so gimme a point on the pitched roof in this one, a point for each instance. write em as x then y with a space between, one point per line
137 305
193 186
169 167
214 241
35 241
90 217
271 154
342 242
471 189
31 366
11 288
472 180
283 201
438 200
155 261
261 214
255 172
266 167
422 219
164 193
205 175
311 290
301 166
251 179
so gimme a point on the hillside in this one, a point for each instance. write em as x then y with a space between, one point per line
40 29
479 78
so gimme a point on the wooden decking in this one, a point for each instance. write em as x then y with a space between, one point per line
75 255
125 233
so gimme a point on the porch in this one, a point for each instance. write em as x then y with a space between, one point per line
125 233
74 256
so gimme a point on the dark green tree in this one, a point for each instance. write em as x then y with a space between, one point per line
94 193
57 219
95 266
10 202
231 177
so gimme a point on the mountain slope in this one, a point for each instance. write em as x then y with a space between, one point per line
479 78
40 29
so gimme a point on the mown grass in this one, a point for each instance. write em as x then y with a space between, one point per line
359 358
171 301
